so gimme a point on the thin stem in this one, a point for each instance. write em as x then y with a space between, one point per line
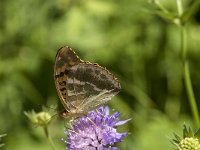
179 7
186 72
183 45
190 93
49 138
157 2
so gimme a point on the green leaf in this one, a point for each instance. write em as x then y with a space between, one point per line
178 138
197 133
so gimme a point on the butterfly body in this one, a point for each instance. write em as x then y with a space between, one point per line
82 86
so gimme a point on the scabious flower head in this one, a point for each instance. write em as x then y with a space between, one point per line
190 140
95 131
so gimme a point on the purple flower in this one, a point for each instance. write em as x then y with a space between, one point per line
96 131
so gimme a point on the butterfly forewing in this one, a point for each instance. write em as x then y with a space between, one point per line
65 59
82 86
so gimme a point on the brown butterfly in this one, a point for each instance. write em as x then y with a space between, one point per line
82 86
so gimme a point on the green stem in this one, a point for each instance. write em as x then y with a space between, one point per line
162 8
49 138
179 7
186 72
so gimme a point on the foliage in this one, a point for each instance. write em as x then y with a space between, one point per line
136 40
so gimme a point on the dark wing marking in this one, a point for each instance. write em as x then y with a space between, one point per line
65 59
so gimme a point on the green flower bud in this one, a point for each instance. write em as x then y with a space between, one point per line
39 119
189 140
189 143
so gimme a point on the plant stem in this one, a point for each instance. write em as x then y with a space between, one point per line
179 7
49 138
186 72
162 8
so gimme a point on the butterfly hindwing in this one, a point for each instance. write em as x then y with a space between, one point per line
90 85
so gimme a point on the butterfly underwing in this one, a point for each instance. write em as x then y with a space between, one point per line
82 86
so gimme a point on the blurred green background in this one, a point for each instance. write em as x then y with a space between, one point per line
126 37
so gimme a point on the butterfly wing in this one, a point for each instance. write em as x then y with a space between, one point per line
82 86
90 86
65 59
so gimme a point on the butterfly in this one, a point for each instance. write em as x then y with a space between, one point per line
82 86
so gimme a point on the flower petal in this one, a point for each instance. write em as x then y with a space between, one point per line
122 122
95 131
